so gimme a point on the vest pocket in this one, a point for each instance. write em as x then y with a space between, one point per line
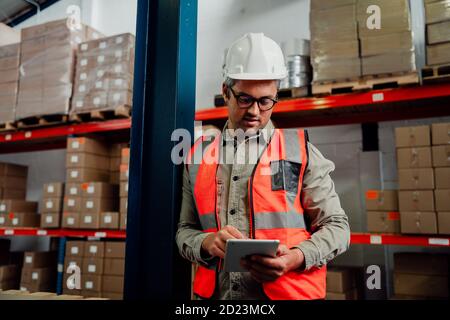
285 175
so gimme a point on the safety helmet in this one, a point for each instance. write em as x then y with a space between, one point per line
254 57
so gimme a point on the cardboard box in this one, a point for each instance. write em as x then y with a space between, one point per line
7 285
13 170
112 295
114 177
442 178
123 205
69 260
99 190
76 145
85 174
421 285
412 136
53 190
418 222
50 220
340 280
92 266
337 69
109 220
442 198
52 205
438 32
71 220
381 200
73 204
75 248
7 193
87 160
123 221
124 172
98 205
115 249
444 222
124 189
39 276
112 284
438 54
17 206
421 263
114 164
414 157
437 11
91 283
91 295
73 190
441 156
383 221
323 49
11 272
416 179
4 220
349 295
389 63
441 133
39 259
17 182
25 220
125 156
90 220
114 267
343 18
94 249
398 42
410 201
36 287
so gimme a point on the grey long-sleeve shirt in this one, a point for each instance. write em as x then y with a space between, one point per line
328 221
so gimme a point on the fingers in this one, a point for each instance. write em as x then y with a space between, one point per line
267 262
235 233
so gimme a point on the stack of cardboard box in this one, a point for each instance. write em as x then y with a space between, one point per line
441 164
416 180
19 214
389 49
9 81
13 181
102 267
9 269
341 284
421 275
104 75
382 211
334 40
124 173
38 271
52 205
438 31
47 67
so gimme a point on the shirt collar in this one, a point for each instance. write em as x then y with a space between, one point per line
266 132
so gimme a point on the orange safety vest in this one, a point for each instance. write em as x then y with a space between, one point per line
276 210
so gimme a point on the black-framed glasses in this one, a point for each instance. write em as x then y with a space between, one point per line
245 101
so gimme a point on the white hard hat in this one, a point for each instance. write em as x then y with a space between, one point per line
255 57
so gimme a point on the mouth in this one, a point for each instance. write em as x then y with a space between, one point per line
251 122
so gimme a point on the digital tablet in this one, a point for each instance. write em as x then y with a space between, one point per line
236 249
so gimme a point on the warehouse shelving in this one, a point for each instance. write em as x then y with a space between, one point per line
103 234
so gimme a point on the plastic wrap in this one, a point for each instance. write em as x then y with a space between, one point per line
9 81
388 43
334 24
324 50
389 63
329 4
437 11
438 32
438 54
395 17
47 68
104 74
338 69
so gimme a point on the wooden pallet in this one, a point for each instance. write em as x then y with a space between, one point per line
436 74
292 93
42 121
373 82
7 126
103 114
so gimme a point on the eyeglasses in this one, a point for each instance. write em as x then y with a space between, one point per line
245 101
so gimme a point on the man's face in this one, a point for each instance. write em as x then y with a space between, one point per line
252 117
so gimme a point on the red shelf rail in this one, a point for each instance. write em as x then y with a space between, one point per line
401 240
107 234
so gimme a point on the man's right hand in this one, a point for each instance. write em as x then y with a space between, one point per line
214 244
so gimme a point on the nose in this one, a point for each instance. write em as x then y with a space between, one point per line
254 109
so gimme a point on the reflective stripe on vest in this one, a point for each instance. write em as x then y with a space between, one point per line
276 211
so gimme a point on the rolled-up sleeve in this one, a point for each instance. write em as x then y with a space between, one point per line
328 222
189 236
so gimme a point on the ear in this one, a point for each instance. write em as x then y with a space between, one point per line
225 93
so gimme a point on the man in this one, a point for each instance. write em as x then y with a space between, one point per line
286 194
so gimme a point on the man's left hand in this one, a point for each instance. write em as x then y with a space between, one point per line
266 269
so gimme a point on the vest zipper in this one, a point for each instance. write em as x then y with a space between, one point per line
251 218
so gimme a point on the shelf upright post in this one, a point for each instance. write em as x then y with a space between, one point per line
60 265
